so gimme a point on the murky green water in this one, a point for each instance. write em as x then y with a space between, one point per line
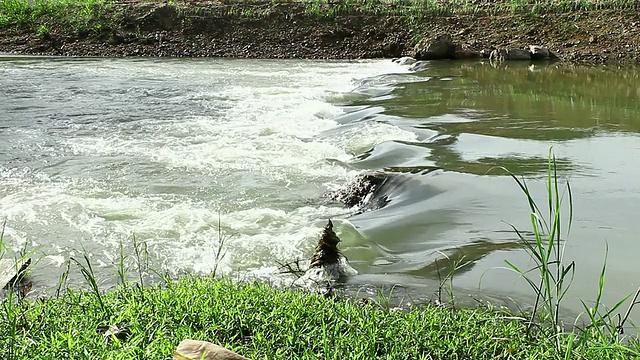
93 151
470 118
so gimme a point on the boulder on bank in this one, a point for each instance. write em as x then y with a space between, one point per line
464 51
442 46
518 54
435 48
531 53
203 350
539 52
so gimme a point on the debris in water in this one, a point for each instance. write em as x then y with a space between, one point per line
327 263
12 271
327 252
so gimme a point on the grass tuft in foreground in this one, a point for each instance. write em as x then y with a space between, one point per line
551 277
547 248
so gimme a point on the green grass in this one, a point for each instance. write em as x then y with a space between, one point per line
89 15
80 15
421 8
445 7
261 322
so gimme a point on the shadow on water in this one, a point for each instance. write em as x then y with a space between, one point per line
468 253
447 200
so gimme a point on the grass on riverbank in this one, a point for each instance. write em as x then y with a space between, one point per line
89 15
261 322
459 7
42 15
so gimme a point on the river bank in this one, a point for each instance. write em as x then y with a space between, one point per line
346 30
261 322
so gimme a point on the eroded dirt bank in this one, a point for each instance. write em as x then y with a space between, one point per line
289 31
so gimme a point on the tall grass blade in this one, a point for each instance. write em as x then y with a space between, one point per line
121 266
546 250
87 272
62 281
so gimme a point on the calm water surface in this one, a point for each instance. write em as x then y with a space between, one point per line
95 151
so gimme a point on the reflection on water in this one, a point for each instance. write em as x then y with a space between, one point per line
522 101
471 119
462 259
512 105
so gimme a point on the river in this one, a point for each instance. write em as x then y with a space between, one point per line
96 151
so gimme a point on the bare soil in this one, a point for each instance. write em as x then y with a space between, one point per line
287 31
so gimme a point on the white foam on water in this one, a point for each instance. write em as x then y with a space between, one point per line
358 138
247 127
55 260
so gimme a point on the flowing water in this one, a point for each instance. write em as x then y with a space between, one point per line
96 151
